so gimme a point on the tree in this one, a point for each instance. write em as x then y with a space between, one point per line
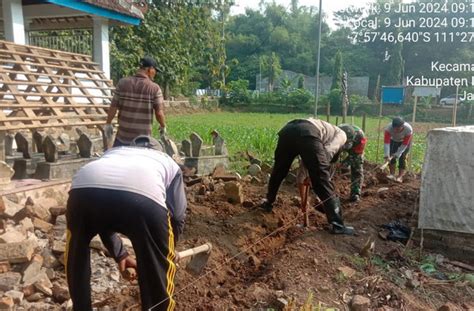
396 64
300 82
179 36
285 85
337 71
347 18
291 34
271 69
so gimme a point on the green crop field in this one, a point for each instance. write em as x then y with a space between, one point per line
257 133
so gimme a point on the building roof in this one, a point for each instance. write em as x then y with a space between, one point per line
129 7
125 11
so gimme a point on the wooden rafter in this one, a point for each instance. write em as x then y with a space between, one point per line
42 88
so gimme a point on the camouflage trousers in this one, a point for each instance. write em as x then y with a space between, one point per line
355 161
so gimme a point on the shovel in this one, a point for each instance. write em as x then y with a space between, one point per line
200 256
304 190
384 166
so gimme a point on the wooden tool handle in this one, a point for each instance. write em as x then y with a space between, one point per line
385 165
193 251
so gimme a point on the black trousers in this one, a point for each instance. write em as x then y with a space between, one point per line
118 143
293 141
402 161
92 211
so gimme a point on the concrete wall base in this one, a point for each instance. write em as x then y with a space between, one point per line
453 245
205 165
63 169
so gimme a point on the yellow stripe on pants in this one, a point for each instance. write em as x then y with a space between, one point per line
171 266
66 253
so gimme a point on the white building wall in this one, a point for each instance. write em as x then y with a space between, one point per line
447 186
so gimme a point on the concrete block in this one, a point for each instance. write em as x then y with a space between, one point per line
6 303
220 146
9 280
17 252
42 225
186 147
85 145
24 144
63 169
16 295
12 236
50 149
33 269
170 147
9 139
38 137
9 208
196 143
43 284
6 173
205 165
359 303
25 168
233 192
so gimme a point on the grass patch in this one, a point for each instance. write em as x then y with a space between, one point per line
358 262
381 263
257 132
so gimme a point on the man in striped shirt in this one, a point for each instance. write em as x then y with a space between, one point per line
136 98
397 141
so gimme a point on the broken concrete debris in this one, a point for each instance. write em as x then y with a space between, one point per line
32 247
17 252
359 303
6 173
254 170
233 192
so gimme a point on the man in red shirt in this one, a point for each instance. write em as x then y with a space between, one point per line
397 141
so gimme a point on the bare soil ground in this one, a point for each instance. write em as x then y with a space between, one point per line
258 258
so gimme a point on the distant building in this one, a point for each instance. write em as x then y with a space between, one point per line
357 85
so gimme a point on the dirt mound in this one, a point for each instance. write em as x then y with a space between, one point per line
267 260
264 260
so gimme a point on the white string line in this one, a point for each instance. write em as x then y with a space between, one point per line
219 266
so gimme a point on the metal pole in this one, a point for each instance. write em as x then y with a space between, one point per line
413 120
319 58
223 49
455 107
259 75
379 127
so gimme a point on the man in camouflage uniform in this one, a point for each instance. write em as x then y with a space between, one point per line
354 147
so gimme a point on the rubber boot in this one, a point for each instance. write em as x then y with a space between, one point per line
355 197
319 207
266 206
332 207
391 167
401 173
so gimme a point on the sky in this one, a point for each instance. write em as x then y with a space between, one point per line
329 6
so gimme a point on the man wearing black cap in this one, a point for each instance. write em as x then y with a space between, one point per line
397 141
136 191
136 98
